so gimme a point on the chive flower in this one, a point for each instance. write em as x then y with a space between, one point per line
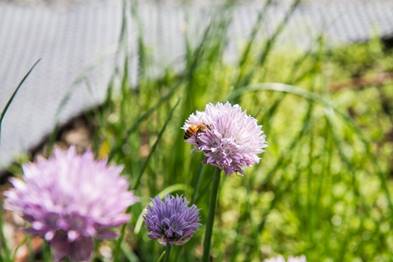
70 200
171 221
229 138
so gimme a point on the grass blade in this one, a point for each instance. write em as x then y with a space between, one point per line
136 124
154 147
2 115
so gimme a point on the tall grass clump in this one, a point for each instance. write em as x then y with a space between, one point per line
322 189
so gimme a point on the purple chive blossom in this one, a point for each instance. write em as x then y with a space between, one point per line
171 221
230 140
69 200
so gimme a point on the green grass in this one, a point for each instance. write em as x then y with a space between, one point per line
14 93
323 187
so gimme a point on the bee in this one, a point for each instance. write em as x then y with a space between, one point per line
194 129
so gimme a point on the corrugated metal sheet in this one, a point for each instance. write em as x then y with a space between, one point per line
80 40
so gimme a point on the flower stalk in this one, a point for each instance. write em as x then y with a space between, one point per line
210 218
168 252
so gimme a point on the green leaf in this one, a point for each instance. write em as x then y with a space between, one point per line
2 115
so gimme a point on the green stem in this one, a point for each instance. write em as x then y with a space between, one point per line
167 252
210 218
162 256
118 243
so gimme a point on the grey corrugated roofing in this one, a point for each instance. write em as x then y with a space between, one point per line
80 40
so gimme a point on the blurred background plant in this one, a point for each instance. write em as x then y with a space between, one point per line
322 189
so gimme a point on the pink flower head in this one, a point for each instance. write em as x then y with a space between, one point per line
230 140
69 200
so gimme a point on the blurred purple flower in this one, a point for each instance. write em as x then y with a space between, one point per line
69 200
171 221
230 139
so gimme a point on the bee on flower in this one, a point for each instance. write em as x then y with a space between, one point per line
194 129
229 138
